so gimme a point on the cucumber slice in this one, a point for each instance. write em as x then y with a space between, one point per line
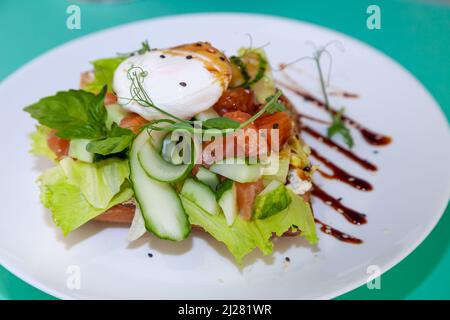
228 202
282 172
160 205
201 195
77 150
272 200
237 170
159 169
207 177
170 152
207 114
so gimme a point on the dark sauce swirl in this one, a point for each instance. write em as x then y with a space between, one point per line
337 234
316 135
369 136
340 174
351 215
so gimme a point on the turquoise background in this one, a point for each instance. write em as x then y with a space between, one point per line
415 34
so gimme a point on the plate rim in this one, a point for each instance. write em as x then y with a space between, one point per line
399 257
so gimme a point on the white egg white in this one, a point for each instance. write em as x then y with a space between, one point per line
177 83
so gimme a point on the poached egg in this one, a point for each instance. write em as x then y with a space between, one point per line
182 80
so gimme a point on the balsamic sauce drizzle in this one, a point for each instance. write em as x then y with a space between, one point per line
340 174
345 94
369 136
351 215
316 135
337 234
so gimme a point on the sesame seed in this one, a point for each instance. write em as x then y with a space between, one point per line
222 58
150 255
189 57
162 56
183 84
287 259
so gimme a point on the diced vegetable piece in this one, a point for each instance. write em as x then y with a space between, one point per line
237 170
272 200
227 199
201 195
207 177
77 150
277 169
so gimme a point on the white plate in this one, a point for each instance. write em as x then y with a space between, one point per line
412 185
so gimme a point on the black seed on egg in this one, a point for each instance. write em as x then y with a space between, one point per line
150 255
183 84
287 259
189 57
162 56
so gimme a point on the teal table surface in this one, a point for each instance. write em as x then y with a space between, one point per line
416 34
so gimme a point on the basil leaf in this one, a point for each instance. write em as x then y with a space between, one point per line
74 114
103 74
117 131
118 140
221 123
109 145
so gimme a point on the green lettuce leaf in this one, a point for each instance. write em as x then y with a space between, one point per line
39 146
69 206
298 214
239 238
244 236
99 182
103 74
